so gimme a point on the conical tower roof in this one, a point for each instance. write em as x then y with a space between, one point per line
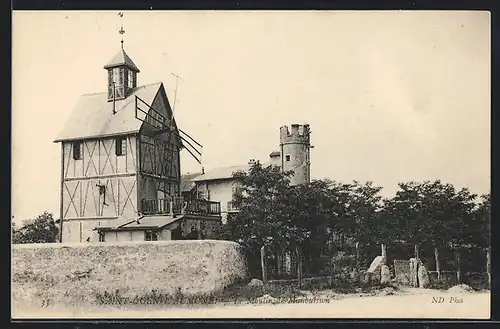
122 59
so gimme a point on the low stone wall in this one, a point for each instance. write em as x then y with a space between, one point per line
77 273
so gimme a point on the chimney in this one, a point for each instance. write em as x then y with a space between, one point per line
202 170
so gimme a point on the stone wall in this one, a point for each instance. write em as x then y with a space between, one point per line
77 273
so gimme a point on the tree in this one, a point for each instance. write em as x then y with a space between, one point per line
364 207
431 213
311 217
40 230
481 228
263 208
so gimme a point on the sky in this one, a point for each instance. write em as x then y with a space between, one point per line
390 96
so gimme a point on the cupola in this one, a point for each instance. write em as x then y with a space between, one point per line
122 76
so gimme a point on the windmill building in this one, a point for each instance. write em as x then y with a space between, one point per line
120 165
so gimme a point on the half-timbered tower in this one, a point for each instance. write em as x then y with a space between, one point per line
120 159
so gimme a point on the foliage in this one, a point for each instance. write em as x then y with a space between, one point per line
263 209
40 230
325 217
314 217
428 213
480 231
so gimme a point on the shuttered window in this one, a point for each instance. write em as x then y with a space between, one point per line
121 146
77 150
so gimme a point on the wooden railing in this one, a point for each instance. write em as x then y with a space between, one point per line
178 206
203 207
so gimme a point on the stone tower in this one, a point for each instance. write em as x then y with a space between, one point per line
295 148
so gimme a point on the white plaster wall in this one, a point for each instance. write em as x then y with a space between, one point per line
221 191
137 235
123 236
166 235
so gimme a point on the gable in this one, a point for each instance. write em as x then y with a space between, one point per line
161 105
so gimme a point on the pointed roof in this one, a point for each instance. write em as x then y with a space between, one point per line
122 59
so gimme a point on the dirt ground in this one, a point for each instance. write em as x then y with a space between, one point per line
408 303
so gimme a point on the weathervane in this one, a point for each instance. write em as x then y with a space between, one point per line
122 31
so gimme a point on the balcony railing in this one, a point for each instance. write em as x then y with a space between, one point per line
179 206
231 207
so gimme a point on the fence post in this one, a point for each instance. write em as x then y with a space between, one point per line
299 266
438 266
459 276
488 267
263 264
357 254
416 265
279 263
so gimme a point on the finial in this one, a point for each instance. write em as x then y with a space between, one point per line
121 31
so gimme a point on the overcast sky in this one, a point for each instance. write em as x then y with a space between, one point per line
390 96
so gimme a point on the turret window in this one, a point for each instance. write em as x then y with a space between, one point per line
116 73
287 157
130 79
120 76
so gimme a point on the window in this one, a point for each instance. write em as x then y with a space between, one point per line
77 150
121 75
121 146
110 84
200 195
237 190
130 79
287 157
151 236
102 237
116 73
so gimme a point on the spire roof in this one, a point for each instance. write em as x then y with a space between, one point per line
122 59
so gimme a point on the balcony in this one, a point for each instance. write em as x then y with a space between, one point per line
179 206
231 207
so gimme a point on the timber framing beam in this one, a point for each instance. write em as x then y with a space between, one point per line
99 177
